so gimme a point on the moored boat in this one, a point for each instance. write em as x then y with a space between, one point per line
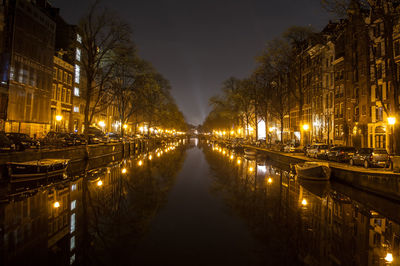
250 152
313 170
36 170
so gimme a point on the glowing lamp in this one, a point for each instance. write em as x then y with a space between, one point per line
123 170
389 257
140 163
59 117
269 180
125 126
102 124
56 204
99 183
306 127
304 202
391 120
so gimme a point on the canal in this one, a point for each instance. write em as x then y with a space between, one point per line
193 203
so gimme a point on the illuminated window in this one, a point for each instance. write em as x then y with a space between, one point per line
78 54
73 205
73 221
72 259
77 73
79 38
76 109
72 244
76 91
73 187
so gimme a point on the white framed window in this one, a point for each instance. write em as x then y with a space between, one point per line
72 244
76 91
73 221
76 109
73 205
77 73
78 54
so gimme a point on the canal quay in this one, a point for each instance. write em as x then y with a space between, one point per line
191 202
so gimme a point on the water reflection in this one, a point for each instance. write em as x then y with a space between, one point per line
304 222
93 218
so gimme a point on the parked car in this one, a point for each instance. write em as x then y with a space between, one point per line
22 141
6 145
77 139
58 139
317 150
341 153
112 137
371 157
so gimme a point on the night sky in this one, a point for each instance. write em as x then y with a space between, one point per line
198 44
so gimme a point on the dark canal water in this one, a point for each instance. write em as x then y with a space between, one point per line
191 203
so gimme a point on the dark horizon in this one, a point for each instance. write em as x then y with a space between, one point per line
198 45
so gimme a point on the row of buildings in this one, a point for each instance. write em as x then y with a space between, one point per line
41 84
344 79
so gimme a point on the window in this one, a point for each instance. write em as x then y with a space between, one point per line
65 77
77 73
379 71
379 50
78 54
68 100
79 38
69 79
72 244
59 74
397 48
55 73
58 93
73 187
73 205
76 109
76 91
63 95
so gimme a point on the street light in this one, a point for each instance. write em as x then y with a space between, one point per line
391 121
306 127
58 120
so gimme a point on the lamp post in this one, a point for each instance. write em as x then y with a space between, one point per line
391 122
306 127
58 121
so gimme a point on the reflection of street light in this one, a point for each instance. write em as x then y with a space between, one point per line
391 121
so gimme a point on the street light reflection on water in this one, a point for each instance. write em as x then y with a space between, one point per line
231 202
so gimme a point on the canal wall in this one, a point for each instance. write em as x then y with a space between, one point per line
379 182
99 153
